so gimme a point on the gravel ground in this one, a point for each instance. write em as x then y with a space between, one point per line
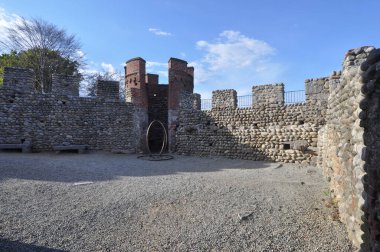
184 204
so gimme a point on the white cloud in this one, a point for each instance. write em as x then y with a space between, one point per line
152 64
236 61
160 68
108 68
159 32
7 21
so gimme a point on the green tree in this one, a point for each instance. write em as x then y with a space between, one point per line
43 47
55 64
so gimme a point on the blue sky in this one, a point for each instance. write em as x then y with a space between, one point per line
232 44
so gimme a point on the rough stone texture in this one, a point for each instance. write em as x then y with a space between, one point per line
224 99
65 85
370 121
336 117
108 90
196 101
341 145
53 119
19 79
268 94
317 90
263 132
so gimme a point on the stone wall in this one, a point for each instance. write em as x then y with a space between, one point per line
19 78
317 90
57 118
370 121
341 145
181 85
65 85
263 132
196 99
107 89
268 94
224 99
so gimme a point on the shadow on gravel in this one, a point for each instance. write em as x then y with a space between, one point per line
107 166
7 246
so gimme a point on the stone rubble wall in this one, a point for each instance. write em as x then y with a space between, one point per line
370 121
340 145
224 99
107 89
65 85
196 100
56 119
268 94
19 78
317 90
263 132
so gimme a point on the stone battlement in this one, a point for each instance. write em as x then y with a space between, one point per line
337 127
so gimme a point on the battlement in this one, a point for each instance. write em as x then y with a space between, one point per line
268 94
151 79
19 78
65 85
224 99
177 64
22 80
107 89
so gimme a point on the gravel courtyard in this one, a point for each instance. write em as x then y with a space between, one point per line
184 204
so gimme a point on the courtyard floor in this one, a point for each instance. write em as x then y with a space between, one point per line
114 202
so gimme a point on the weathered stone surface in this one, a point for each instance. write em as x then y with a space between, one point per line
224 99
268 94
263 132
53 118
340 143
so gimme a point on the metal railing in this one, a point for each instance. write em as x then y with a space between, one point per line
206 104
293 97
245 101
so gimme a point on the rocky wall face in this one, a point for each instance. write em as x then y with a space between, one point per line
196 101
107 89
268 94
341 144
279 133
317 90
65 85
19 78
224 99
49 119
370 121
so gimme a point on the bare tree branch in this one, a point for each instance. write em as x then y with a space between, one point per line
41 38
